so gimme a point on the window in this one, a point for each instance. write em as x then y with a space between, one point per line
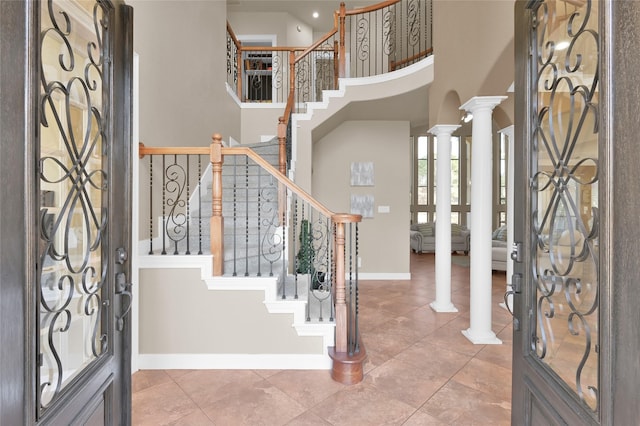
425 181
500 208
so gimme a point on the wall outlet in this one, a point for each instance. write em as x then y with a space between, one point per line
359 262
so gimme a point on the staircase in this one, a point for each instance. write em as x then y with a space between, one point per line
254 261
249 231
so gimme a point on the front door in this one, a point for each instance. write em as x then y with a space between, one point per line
575 349
68 295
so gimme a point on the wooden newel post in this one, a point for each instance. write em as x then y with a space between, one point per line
217 221
292 76
282 146
341 292
347 362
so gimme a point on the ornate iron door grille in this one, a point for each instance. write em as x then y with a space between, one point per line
73 203
564 194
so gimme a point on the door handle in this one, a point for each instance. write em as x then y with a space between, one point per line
123 289
515 288
516 252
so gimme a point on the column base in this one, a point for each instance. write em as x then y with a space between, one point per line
348 370
443 307
488 338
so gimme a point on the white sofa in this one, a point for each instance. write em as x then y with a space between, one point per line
423 238
499 250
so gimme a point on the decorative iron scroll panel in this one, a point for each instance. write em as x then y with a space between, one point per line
390 38
73 183
564 194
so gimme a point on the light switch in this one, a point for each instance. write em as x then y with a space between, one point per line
384 209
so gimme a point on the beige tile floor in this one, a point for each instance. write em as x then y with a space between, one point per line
421 371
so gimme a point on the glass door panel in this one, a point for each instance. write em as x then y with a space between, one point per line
564 187
73 181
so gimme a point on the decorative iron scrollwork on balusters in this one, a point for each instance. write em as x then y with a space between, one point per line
413 22
303 77
320 279
362 38
389 31
276 70
73 221
176 221
273 232
565 218
230 58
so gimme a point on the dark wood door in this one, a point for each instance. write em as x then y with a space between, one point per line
574 345
66 110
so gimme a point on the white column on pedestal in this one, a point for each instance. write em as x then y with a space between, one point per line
443 219
508 132
479 331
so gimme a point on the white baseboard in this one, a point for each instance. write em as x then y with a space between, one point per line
234 362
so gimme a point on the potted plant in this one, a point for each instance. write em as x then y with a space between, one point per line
306 255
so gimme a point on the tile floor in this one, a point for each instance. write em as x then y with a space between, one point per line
421 371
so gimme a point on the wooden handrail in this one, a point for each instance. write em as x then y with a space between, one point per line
237 150
372 8
394 64
315 45
272 49
171 150
233 36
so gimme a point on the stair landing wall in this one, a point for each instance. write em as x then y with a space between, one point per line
185 324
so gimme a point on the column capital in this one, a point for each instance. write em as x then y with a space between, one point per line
509 130
482 102
446 129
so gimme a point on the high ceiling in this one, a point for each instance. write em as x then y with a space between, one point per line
301 9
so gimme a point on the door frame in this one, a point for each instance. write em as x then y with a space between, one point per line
16 126
19 125
619 203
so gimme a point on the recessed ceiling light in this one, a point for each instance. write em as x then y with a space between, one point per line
315 14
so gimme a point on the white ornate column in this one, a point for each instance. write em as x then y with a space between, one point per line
479 331
443 219
508 132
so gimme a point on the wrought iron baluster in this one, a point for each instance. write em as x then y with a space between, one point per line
284 240
294 202
164 200
176 183
246 216
175 241
259 218
188 204
150 204
332 305
199 204
357 290
350 330
235 214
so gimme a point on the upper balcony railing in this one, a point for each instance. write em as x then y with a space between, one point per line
363 42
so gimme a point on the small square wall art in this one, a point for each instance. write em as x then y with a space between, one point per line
362 205
362 174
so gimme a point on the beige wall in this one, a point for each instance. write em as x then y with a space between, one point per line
179 315
182 51
257 122
384 239
280 24
473 47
